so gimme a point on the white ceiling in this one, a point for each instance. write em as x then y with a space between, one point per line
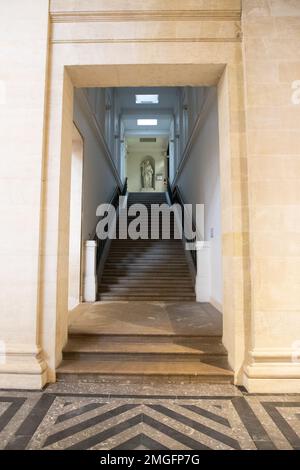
163 111
163 125
134 144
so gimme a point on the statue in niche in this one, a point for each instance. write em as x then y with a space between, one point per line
147 174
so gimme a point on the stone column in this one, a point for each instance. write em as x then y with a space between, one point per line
272 67
234 205
24 34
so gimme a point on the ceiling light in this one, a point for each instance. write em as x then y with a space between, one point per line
147 122
146 99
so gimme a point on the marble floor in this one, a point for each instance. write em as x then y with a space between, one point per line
121 414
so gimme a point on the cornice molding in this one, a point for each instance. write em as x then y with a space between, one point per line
142 15
143 40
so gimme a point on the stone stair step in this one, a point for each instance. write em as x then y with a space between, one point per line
111 288
131 272
146 259
217 370
107 280
115 271
162 254
146 274
172 256
148 297
147 252
146 357
139 261
172 251
146 344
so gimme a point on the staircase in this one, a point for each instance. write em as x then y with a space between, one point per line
180 341
158 330
193 358
147 269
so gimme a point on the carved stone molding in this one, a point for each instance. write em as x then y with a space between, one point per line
142 40
140 15
276 368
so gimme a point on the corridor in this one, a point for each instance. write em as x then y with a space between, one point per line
154 313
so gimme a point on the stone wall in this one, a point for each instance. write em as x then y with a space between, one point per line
23 77
271 38
155 43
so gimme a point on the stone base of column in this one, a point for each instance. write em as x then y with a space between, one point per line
255 385
272 371
23 370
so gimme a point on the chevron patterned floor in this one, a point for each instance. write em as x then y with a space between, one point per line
131 416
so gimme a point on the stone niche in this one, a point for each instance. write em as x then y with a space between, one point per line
147 172
134 161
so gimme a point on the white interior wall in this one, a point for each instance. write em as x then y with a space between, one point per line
199 182
98 180
75 219
172 151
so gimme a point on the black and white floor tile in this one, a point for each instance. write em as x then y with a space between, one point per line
104 417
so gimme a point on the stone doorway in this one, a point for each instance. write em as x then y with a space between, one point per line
233 192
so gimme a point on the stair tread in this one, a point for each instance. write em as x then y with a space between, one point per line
147 288
144 255
218 367
106 280
138 261
145 344
147 267
144 298
163 298
106 277
139 282
144 275
170 294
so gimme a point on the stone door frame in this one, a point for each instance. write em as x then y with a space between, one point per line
64 77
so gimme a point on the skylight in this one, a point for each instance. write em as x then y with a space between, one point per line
147 122
146 99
